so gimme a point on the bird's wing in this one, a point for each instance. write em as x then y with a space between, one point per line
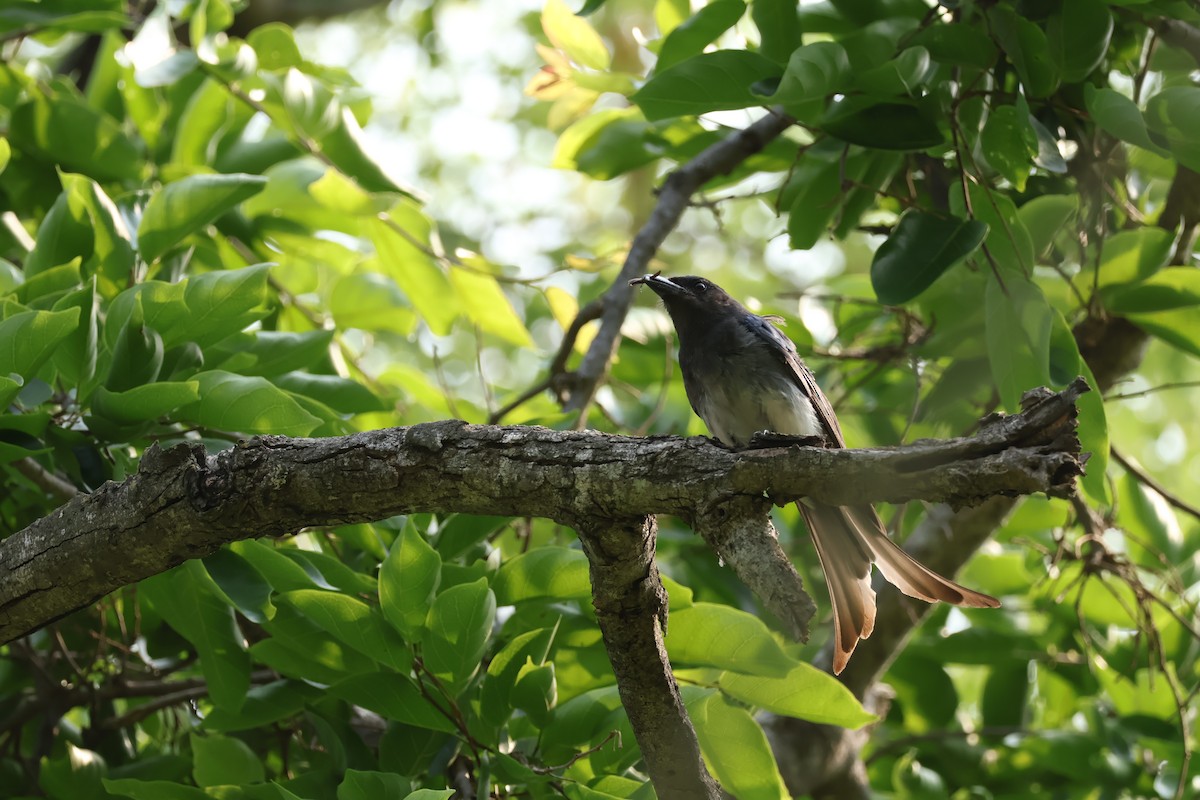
785 350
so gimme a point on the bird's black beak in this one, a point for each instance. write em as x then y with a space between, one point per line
661 286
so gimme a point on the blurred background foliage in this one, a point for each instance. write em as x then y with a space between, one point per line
975 193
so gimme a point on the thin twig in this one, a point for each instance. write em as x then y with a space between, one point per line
1147 480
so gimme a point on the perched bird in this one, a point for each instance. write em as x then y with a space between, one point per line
742 376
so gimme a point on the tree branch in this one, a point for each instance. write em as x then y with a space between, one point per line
184 504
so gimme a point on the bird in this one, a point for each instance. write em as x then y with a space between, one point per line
743 376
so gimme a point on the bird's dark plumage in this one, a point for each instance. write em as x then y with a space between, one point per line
742 375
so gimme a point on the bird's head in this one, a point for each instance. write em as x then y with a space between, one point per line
689 298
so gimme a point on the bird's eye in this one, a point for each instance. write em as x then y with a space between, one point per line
701 286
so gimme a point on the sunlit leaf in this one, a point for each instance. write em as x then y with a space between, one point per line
182 207
708 82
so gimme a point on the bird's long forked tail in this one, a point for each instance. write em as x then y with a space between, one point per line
848 540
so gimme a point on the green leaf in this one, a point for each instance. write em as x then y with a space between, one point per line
1167 289
505 666
1026 46
813 196
28 339
488 307
804 693
446 794
371 302
395 697
1009 143
1046 217
340 394
343 145
1177 328
275 45
1174 113
137 356
715 635
459 625
698 31
247 404
1078 37
543 573
887 125
241 584
418 274
903 75
63 129
353 622
280 571
224 761
1130 257
191 603
300 649
277 352
75 358
1018 324
606 144
1093 438
957 43
370 785
778 26
920 249
1007 242
708 82
574 36
408 582
183 207
535 691
813 72
144 403
1119 116
154 790
736 749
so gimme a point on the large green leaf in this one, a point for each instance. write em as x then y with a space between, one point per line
144 403
708 82
903 75
543 573
574 36
1175 114
813 72
64 129
191 603
408 581
1046 217
778 26
1118 115
488 307
183 207
709 634
459 624
403 248
248 404
1019 323
1078 37
1026 46
737 750
28 339
224 761
1169 288
353 622
805 693
1009 143
1130 257
504 668
898 124
920 249
395 697
699 30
